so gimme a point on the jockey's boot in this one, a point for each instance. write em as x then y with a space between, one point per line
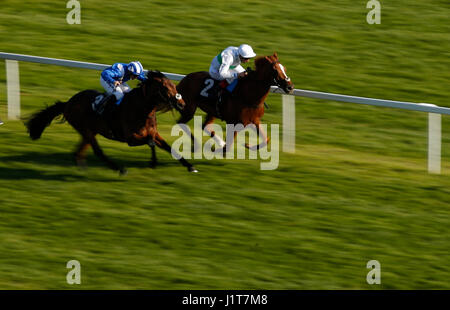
109 111
222 93
223 96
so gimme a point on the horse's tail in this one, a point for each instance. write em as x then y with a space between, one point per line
40 120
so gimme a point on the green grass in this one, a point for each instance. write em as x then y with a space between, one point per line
356 189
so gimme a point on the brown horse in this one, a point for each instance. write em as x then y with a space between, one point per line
133 121
245 105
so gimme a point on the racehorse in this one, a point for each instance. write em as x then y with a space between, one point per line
245 105
133 121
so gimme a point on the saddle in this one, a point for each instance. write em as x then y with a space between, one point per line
214 92
209 91
100 102
104 106
212 86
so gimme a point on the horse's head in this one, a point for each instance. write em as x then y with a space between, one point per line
275 71
159 87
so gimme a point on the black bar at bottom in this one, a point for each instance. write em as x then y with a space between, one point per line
200 299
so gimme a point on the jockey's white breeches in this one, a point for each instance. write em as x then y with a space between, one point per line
117 91
214 72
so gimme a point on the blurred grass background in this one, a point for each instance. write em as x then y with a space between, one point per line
356 188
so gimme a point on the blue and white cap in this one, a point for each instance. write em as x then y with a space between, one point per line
135 67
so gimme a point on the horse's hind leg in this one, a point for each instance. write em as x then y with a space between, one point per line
209 120
154 160
80 153
160 142
99 153
228 144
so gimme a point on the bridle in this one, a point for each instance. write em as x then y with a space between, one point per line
276 80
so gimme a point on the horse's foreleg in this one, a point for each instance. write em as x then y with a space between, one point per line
184 119
160 142
99 153
261 134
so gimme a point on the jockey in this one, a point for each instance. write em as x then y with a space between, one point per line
113 81
227 65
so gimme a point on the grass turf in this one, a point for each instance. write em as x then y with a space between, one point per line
356 188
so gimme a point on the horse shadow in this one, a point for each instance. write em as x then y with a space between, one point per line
7 173
63 159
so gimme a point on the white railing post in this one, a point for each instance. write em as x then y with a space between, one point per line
288 123
434 141
13 88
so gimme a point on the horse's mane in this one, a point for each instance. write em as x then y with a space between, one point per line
155 74
260 61
151 74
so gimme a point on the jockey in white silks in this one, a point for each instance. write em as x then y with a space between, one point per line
226 68
227 65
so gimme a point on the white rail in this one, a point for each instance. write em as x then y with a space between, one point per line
434 127
69 63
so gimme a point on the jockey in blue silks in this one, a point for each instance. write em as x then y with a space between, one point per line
114 78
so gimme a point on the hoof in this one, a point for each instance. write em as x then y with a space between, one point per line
152 165
192 169
123 172
254 147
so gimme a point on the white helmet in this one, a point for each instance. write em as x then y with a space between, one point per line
246 51
135 67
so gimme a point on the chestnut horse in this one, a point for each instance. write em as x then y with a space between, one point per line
133 121
246 103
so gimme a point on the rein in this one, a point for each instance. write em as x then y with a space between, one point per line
271 80
275 80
